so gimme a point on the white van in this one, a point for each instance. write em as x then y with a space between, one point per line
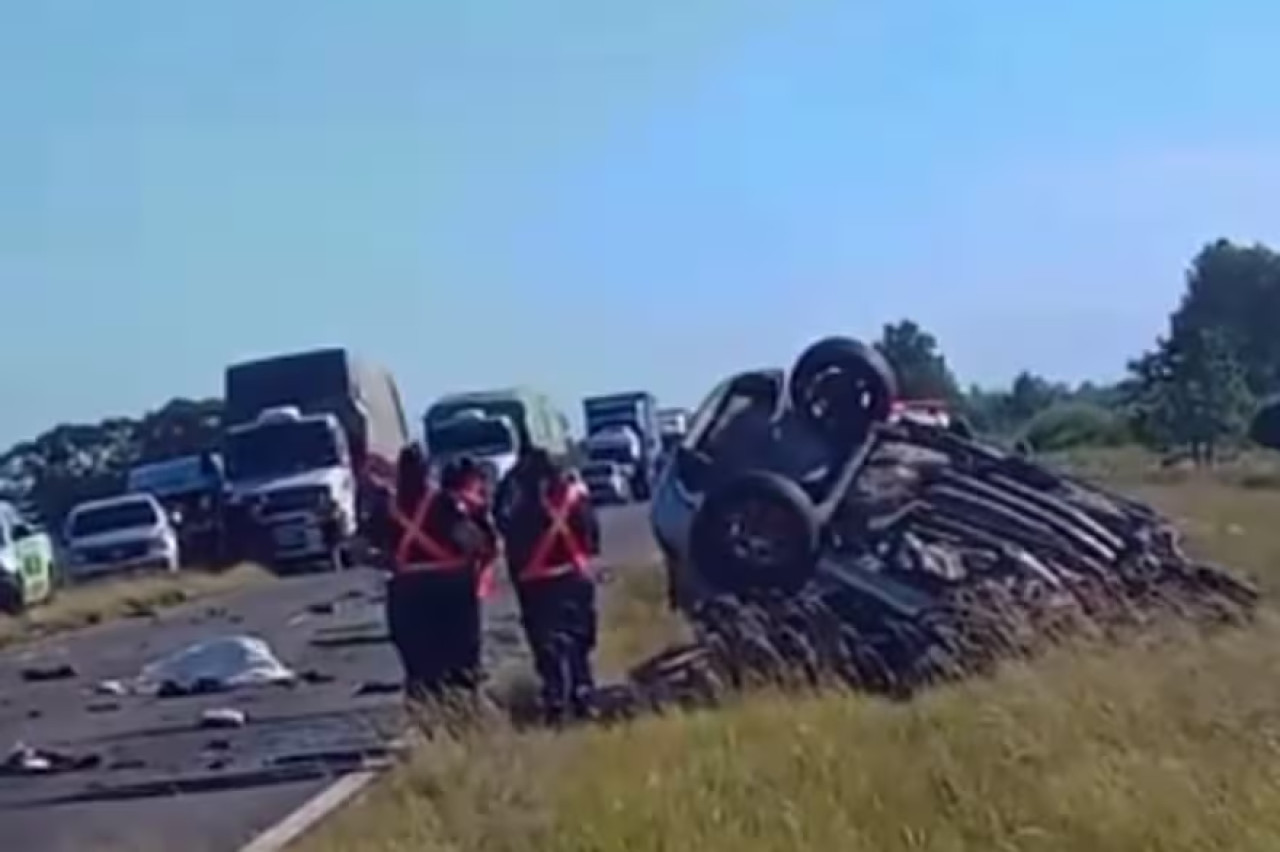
118 534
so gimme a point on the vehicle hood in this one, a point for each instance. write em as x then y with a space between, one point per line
328 476
128 535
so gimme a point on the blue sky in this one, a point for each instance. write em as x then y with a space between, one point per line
593 196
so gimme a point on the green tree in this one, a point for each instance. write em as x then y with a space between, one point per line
1191 392
74 462
922 370
1236 290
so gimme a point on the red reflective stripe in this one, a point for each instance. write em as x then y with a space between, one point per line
558 529
487 581
413 533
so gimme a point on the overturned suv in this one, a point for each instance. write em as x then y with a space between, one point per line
901 546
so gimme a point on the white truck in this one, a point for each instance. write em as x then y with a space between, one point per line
311 440
291 488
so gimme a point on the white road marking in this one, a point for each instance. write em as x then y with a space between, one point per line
312 811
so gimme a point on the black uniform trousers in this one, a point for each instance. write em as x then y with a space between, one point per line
434 620
559 619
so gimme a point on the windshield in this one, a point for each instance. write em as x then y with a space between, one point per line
114 516
280 449
478 436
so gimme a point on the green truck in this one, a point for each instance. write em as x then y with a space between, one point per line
493 426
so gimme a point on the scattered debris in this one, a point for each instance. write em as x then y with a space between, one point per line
323 608
58 671
316 678
215 665
111 687
379 687
350 638
27 760
223 717
103 707
218 745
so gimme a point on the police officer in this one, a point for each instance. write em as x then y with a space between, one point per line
551 532
433 607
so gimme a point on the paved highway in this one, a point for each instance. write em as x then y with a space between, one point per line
163 783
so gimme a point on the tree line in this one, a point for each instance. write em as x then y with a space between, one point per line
1196 390
1204 385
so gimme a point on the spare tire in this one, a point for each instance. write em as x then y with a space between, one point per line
757 533
842 387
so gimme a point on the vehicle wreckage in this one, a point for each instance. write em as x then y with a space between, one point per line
809 527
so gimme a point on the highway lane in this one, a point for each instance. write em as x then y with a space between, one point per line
163 782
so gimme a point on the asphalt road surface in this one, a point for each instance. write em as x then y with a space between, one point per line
161 782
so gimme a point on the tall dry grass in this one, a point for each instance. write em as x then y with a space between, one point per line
1171 744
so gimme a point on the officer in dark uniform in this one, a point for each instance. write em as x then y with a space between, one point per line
438 548
551 532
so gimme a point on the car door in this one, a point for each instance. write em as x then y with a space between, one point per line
34 553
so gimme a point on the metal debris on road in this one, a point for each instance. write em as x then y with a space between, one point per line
59 671
223 717
28 760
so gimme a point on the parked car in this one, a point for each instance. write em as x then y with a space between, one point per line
124 533
607 482
26 562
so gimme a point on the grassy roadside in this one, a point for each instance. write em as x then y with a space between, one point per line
1173 744
108 600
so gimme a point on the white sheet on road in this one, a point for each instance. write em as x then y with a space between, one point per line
229 661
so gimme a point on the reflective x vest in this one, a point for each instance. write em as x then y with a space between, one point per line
558 531
418 549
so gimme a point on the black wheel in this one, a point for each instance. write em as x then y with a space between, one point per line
842 387
757 533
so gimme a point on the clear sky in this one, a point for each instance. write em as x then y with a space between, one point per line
592 196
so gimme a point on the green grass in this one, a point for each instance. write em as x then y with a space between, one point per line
76 607
1169 744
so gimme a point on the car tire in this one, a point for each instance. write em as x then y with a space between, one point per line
777 552
867 387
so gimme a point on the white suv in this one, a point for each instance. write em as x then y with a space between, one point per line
119 534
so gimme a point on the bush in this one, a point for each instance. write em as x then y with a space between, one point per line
1075 424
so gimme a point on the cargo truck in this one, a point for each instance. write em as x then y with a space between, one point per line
310 447
623 428
492 427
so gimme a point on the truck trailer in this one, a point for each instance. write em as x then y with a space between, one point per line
311 441
623 428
